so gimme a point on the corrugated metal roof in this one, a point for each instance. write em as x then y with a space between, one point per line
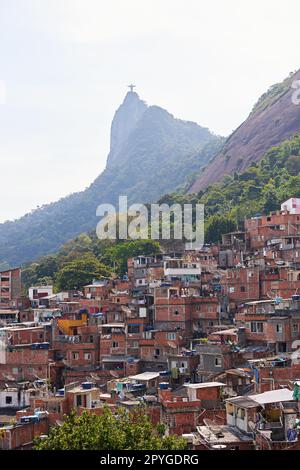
274 396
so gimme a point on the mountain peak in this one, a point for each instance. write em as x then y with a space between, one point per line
131 96
125 120
151 154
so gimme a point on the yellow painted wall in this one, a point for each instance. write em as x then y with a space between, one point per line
66 325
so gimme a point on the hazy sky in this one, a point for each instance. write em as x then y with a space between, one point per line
65 66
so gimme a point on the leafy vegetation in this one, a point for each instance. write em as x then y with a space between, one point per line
80 272
259 189
109 431
83 259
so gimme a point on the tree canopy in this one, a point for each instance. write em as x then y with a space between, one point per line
119 430
82 271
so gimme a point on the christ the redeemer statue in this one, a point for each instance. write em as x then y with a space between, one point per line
131 86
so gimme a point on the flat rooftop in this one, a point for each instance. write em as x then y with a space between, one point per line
224 434
205 385
145 376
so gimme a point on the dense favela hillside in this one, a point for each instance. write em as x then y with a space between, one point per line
273 119
151 153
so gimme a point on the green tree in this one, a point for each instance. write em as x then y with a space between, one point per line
270 198
117 255
216 225
82 271
109 431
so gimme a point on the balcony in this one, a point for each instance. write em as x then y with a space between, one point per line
68 339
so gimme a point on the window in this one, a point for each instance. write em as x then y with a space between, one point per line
87 356
75 356
171 336
176 312
279 328
218 361
211 323
135 344
257 327
241 413
78 400
243 289
115 344
157 352
91 338
295 328
8 400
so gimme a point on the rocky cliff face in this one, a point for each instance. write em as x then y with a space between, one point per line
124 121
273 119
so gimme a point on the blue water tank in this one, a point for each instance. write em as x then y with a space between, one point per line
296 297
34 419
164 385
25 419
165 373
87 385
61 391
40 382
29 419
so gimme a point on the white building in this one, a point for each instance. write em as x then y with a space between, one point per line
292 205
182 269
14 398
38 292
